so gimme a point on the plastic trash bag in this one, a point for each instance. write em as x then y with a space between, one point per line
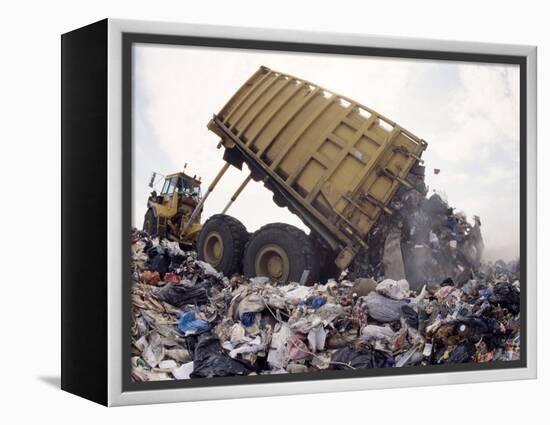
297 349
210 360
178 295
462 353
251 345
189 324
363 286
506 295
377 333
251 304
278 355
159 260
316 339
383 309
349 358
395 289
208 269
410 316
153 352
474 328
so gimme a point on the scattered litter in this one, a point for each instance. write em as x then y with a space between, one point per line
189 321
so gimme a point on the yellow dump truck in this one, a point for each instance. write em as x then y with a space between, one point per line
333 162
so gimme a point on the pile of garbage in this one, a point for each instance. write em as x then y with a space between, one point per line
189 321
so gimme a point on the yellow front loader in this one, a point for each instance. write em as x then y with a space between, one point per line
174 213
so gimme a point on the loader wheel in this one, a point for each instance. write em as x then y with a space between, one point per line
283 253
150 223
221 243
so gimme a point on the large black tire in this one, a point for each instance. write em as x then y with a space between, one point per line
221 243
281 252
150 223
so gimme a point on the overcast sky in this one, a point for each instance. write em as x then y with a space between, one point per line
468 114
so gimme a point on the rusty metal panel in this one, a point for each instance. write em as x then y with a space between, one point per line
339 160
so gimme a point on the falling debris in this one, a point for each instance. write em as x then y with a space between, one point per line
189 321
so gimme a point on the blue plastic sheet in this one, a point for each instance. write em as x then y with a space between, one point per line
189 323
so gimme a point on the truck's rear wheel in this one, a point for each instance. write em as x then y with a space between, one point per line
283 253
150 223
221 243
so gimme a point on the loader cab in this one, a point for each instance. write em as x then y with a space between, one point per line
186 186
168 211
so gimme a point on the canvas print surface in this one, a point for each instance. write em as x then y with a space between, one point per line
304 214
